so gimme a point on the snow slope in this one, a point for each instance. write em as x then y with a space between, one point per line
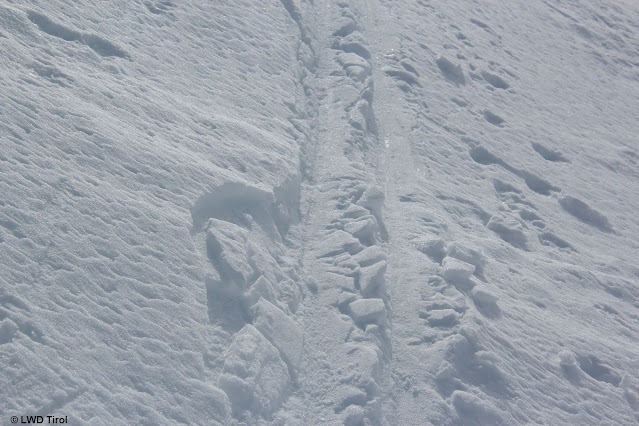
319 212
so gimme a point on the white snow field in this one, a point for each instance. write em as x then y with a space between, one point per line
309 212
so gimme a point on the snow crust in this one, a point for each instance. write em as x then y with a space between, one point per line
319 212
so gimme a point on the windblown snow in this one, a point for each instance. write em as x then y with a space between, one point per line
306 212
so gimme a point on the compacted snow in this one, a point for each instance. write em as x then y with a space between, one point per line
315 212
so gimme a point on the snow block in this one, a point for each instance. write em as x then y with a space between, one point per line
485 301
344 299
373 199
354 211
456 270
366 311
443 318
346 263
475 410
434 248
280 330
229 197
363 229
346 396
355 66
450 70
338 242
254 376
364 366
226 246
7 329
291 294
508 230
467 254
263 262
446 380
369 256
353 415
371 278
261 288
484 297
332 280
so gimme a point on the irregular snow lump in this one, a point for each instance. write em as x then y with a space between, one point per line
280 330
451 71
338 242
226 245
261 288
456 270
369 256
254 376
443 318
7 329
434 248
363 229
472 408
371 278
466 253
508 230
484 297
366 311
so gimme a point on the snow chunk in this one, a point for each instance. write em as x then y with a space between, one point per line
369 256
456 270
338 281
254 376
348 395
354 211
338 242
567 359
466 253
280 330
443 318
434 248
344 299
373 199
508 230
365 311
363 229
483 296
486 301
7 329
371 278
261 288
226 245
451 71
471 409
291 294
353 415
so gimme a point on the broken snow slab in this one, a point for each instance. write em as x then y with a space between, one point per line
456 270
367 311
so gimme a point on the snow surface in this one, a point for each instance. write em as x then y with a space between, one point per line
320 212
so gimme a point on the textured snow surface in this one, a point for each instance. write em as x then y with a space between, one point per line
319 212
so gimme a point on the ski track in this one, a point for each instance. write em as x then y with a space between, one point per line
353 212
